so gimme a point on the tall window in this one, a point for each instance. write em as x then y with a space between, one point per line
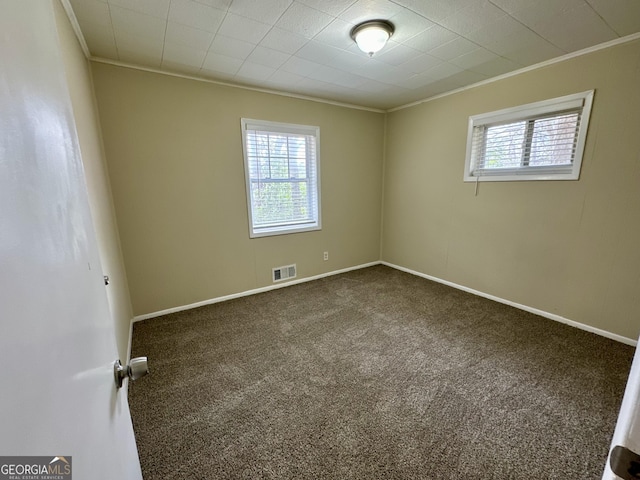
538 141
281 163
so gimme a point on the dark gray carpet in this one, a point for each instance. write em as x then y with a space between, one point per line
373 374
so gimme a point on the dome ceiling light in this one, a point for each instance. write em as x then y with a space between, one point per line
372 36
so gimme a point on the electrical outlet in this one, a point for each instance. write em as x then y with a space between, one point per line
326 255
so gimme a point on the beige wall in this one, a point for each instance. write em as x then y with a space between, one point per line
175 160
570 248
100 200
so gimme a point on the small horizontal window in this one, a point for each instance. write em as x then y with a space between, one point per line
539 141
281 164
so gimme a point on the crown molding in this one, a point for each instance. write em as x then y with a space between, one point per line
546 63
76 27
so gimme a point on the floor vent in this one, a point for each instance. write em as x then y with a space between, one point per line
284 273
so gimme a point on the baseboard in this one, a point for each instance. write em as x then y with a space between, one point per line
146 316
542 313
526 308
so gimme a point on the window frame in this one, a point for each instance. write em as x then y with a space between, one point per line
256 231
531 111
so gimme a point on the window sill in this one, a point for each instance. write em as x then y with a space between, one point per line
286 230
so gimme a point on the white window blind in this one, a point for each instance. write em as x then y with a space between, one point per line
282 175
539 141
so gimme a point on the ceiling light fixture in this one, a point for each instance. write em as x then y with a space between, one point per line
372 36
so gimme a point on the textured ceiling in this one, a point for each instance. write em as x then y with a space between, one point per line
304 47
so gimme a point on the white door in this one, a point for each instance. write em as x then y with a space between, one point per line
625 446
57 393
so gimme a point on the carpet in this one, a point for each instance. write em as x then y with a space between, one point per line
373 374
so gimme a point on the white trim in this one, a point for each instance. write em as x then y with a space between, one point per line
128 359
76 27
233 85
246 293
578 104
546 63
250 127
534 109
130 343
535 311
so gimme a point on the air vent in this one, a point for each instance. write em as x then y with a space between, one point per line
284 273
